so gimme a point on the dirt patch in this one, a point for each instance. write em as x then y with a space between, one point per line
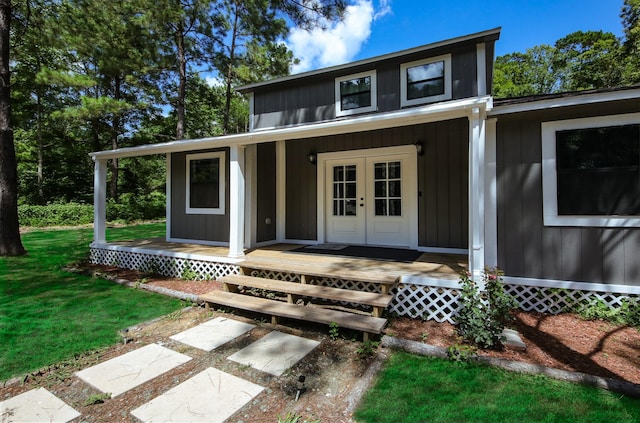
332 370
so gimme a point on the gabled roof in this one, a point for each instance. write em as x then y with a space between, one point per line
484 36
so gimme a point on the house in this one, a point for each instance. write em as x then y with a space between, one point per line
409 150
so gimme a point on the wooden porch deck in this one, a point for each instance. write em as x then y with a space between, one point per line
427 265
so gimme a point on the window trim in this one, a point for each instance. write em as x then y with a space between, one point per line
374 94
221 181
550 174
404 102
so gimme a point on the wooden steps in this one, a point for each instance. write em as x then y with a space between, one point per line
366 324
308 271
306 290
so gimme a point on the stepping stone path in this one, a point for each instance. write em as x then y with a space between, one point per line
209 396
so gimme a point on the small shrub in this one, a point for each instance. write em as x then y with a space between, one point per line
69 214
334 331
627 314
461 353
188 273
367 349
482 315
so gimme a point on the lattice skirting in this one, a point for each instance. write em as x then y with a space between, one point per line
174 267
432 300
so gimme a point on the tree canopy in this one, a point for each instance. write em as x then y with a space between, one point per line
579 61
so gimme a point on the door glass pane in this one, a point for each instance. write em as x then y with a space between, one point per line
380 171
350 173
387 188
395 207
350 208
345 190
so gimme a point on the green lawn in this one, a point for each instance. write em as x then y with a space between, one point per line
424 389
48 315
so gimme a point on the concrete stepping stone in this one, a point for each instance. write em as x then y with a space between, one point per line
210 396
275 352
134 368
214 333
37 405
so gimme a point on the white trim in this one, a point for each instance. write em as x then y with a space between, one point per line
220 155
441 250
575 100
236 200
491 195
573 285
199 242
446 59
481 64
428 113
168 199
477 140
411 179
172 254
550 176
281 191
99 201
374 94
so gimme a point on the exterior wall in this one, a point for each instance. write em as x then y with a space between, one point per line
312 99
266 181
527 248
213 228
442 185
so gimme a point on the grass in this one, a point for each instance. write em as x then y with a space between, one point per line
421 389
48 315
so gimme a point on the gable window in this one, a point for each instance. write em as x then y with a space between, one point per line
205 177
356 94
425 81
591 171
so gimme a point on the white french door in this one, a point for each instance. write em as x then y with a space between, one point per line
369 198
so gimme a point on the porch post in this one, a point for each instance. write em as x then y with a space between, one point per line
236 207
99 201
476 191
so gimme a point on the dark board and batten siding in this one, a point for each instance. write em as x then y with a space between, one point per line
266 192
442 174
527 248
202 227
312 99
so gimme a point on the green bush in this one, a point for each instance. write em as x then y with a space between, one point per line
55 214
129 208
482 315
627 314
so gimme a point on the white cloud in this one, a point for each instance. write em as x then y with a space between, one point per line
338 42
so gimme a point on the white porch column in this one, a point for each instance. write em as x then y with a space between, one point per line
236 206
99 201
476 191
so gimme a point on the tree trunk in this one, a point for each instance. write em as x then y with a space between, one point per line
182 84
10 243
229 76
115 130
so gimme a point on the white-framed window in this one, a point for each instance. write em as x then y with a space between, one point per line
205 183
591 171
425 81
356 93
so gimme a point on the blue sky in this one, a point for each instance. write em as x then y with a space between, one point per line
375 27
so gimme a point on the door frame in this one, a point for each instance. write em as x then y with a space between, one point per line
410 176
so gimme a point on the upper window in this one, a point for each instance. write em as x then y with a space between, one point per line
205 183
591 171
356 94
425 81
